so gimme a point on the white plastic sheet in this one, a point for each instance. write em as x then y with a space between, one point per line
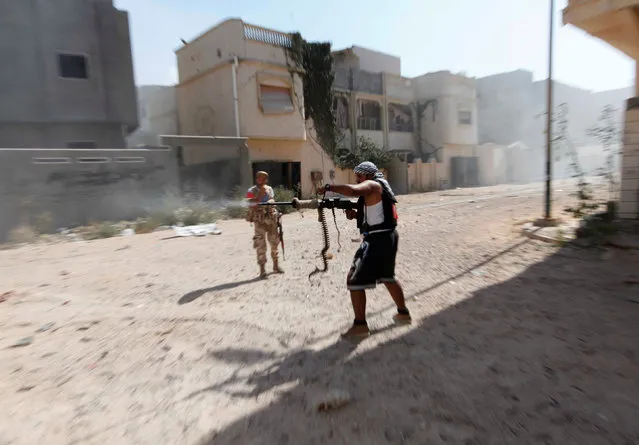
198 230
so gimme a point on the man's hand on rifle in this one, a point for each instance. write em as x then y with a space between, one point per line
350 214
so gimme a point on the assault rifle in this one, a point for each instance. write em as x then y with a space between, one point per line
326 203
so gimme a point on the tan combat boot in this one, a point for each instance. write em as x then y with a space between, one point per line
263 273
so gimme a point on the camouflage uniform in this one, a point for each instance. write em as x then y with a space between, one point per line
265 220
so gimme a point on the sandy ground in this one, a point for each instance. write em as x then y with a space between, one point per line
159 340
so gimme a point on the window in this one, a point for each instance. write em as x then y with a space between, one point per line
370 114
275 100
465 117
81 144
400 118
73 66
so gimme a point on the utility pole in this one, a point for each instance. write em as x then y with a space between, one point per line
549 105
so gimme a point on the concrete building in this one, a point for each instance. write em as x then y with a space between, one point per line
433 116
67 77
359 58
373 100
234 81
617 23
512 108
157 108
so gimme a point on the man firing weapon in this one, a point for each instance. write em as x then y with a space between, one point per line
374 262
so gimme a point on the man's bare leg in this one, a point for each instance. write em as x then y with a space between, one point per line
360 327
397 293
358 299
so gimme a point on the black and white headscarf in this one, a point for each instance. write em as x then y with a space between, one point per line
368 168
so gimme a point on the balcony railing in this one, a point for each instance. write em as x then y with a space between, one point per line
369 123
269 36
403 127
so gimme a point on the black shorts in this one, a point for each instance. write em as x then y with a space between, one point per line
374 261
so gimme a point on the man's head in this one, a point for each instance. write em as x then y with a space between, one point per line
261 178
364 171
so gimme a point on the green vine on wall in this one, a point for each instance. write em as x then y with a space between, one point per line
313 61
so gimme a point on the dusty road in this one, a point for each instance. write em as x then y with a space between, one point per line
158 340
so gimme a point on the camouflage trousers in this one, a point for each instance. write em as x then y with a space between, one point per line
264 230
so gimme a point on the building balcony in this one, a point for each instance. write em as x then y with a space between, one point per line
613 21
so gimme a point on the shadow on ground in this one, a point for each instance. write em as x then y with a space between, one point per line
194 295
548 357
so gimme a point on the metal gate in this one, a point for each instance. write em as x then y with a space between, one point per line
464 171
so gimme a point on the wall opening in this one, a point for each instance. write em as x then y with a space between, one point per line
73 66
282 174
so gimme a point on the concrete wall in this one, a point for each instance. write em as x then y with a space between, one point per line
33 93
79 186
399 89
214 47
400 141
205 104
231 38
426 176
377 62
56 135
375 136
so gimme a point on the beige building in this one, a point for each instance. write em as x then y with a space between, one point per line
375 102
617 22
234 81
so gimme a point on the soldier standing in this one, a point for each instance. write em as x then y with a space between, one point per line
265 220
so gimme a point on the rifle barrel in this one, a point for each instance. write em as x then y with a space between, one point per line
283 203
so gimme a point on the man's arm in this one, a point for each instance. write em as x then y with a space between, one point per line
270 194
363 189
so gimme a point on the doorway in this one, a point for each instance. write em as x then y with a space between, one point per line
281 174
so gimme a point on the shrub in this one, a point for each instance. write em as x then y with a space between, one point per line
43 222
282 194
100 231
236 211
22 235
146 225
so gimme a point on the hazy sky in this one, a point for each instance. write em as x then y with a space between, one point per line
478 37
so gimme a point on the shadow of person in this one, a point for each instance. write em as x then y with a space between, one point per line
547 356
194 295
302 365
